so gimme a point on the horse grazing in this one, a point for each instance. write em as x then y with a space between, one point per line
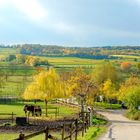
35 110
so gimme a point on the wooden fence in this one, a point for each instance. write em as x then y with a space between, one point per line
68 131
8 114
53 110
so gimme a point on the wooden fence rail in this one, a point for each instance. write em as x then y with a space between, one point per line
8 114
68 131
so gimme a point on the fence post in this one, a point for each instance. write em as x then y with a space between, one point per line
71 131
21 136
87 120
63 131
90 118
58 111
55 113
76 129
83 127
46 133
28 114
12 117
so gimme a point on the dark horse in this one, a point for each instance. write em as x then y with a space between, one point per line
35 110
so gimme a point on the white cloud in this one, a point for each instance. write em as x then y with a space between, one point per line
32 9
3 2
135 2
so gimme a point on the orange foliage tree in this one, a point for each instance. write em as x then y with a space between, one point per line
125 66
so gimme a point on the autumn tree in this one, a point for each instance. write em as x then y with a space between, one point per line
21 58
10 57
125 66
138 66
46 86
35 61
105 71
31 60
81 85
131 97
109 90
39 69
130 82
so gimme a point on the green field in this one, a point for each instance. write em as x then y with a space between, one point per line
127 56
104 105
72 61
7 51
11 136
17 108
14 85
92 134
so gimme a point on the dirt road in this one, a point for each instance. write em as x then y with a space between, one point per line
121 127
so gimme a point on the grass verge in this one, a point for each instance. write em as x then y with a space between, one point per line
133 114
93 133
107 105
98 120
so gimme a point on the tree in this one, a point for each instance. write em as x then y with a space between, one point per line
21 58
46 86
82 85
138 66
104 72
131 97
35 61
132 81
129 92
109 90
31 60
11 57
125 66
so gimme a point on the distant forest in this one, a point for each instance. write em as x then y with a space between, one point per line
82 52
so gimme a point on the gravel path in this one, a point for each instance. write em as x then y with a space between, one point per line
121 128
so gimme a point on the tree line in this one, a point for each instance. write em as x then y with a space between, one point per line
84 52
104 84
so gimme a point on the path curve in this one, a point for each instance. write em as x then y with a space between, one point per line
121 128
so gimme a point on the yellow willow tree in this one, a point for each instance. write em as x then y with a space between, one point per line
46 86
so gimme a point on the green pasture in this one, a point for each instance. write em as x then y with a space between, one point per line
11 136
71 61
127 56
92 134
7 51
14 85
104 105
17 108
12 69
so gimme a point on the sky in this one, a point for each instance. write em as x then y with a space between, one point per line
70 22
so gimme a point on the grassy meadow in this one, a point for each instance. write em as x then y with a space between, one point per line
17 108
92 134
127 56
71 61
7 51
16 77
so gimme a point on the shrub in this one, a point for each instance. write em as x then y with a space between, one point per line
98 120
131 97
134 115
